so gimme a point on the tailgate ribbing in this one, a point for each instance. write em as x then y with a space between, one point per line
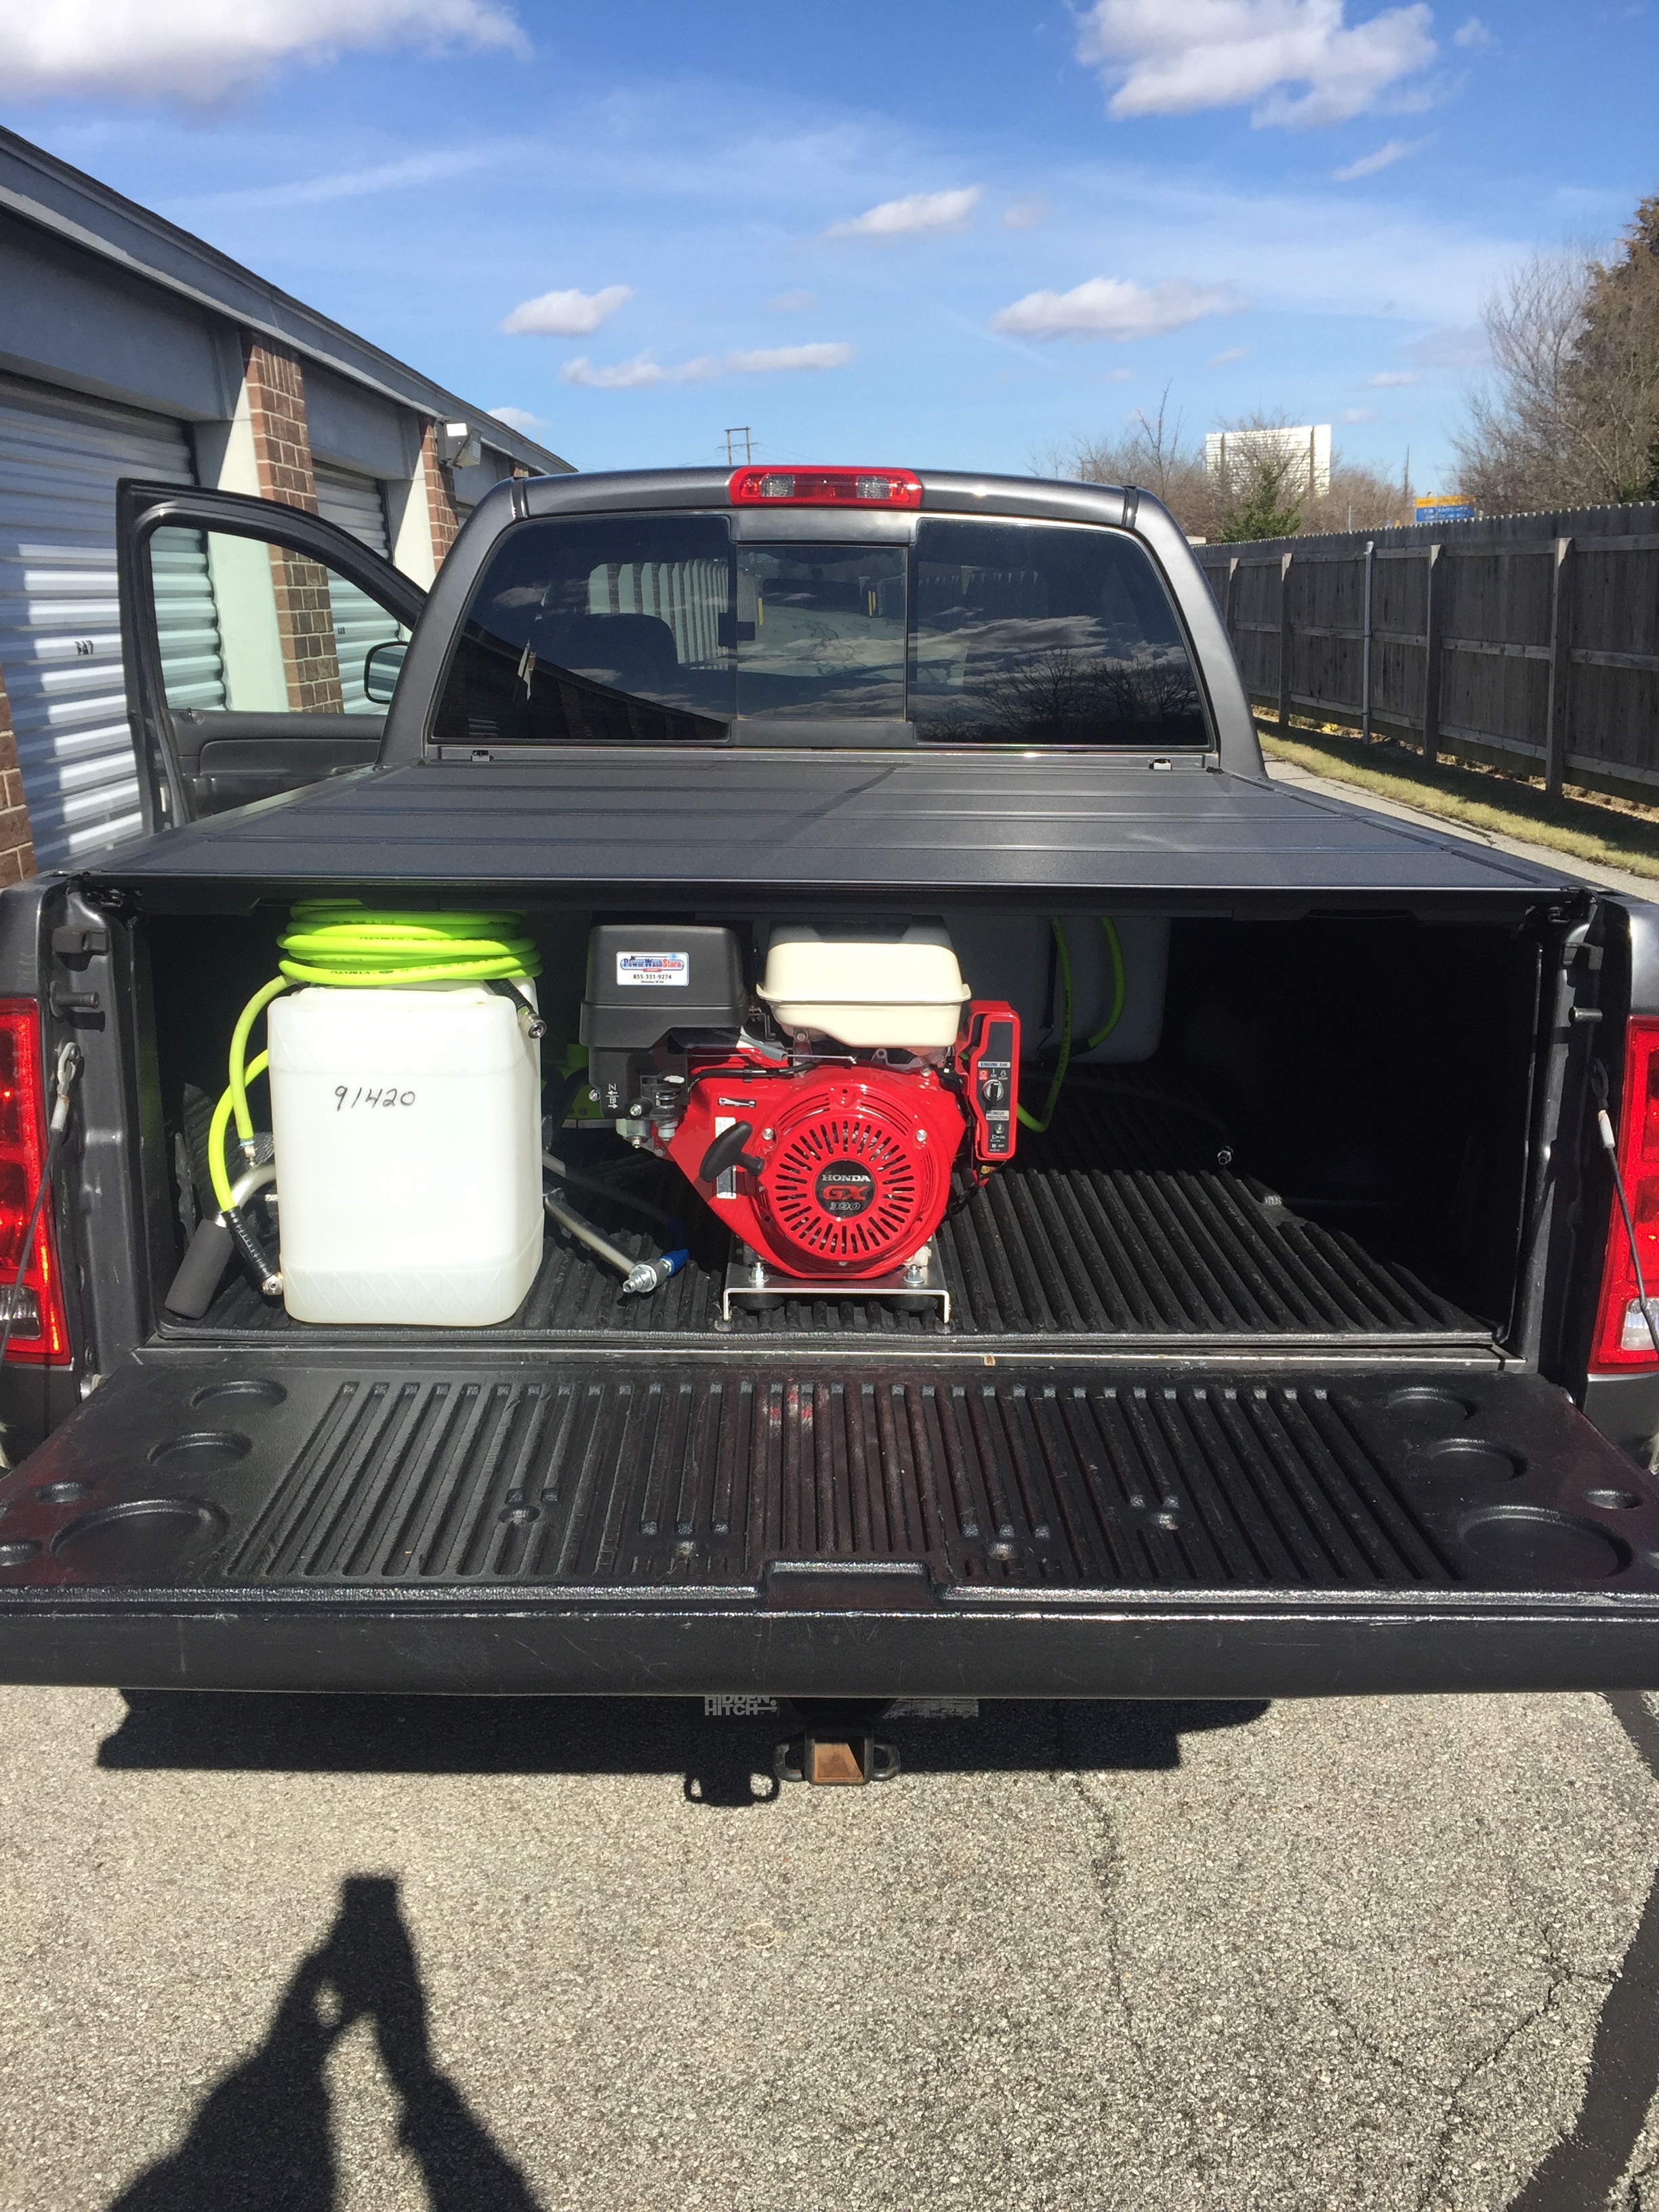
706 1481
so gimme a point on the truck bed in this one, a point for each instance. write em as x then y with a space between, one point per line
1160 1249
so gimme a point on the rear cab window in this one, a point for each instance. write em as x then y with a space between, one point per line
668 629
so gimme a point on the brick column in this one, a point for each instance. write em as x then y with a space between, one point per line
276 408
439 485
17 846
282 456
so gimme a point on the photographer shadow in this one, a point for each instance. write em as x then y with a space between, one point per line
262 2140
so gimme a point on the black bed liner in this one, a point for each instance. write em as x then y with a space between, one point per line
1172 1250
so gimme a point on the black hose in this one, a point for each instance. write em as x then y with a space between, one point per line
249 1249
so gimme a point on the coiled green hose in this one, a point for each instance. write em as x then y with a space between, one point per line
343 943
1068 1042
348 946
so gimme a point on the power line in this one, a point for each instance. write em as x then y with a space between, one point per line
738 430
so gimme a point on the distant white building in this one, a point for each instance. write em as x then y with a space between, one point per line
1307 447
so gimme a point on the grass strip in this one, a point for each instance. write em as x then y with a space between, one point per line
1584 828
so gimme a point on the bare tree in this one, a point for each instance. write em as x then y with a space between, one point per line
1260 490
1572 416
1518 448
1360 498
1151 453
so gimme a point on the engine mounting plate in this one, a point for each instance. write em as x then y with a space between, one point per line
750 1285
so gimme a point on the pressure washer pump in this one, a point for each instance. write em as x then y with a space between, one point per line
825 1133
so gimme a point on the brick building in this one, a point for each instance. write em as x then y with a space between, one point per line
129 348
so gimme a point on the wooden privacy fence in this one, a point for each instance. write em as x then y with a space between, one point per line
1531 643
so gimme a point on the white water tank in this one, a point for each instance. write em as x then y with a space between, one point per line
905 991
408 1134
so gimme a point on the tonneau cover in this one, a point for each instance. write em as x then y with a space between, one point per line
656 824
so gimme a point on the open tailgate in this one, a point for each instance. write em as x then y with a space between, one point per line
818 1523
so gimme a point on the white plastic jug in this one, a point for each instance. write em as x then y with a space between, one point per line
408 1136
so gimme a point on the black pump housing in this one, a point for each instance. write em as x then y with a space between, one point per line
651 980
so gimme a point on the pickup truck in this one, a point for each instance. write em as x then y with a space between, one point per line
1276 1326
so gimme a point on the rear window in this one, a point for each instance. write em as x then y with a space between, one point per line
1046 634
654 629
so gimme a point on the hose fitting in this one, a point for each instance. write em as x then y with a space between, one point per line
651 1274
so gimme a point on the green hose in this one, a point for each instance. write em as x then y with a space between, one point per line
1062 953
238 1077
347 946
1120 984
343 943
1068 1042
218 1173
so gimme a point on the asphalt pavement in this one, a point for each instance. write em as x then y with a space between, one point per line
495 1955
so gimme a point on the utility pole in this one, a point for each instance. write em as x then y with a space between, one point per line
741 430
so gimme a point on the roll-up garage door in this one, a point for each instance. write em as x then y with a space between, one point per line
355 503
61 457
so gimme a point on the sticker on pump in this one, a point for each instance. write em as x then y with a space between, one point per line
654 970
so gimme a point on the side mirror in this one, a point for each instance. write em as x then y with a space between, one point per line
382 664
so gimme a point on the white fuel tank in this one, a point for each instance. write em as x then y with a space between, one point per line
905 991
407 1133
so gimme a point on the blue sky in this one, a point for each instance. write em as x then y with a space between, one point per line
905 232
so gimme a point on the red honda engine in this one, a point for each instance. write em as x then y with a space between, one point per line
839 1170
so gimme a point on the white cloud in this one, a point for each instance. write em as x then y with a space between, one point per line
635 375
1025 215
348 184
1458 345
1114 308
1298 61
203 51
567 314
1231 353
793 303
1357 415
1387 379
1472 35
517 418
767 361
918 214
1369 165
640 374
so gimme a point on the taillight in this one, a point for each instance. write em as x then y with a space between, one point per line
1622 1334
824 488
39 1330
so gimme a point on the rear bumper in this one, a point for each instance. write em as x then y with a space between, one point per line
1213 1646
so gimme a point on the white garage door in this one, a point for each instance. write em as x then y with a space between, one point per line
355 503
60 631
